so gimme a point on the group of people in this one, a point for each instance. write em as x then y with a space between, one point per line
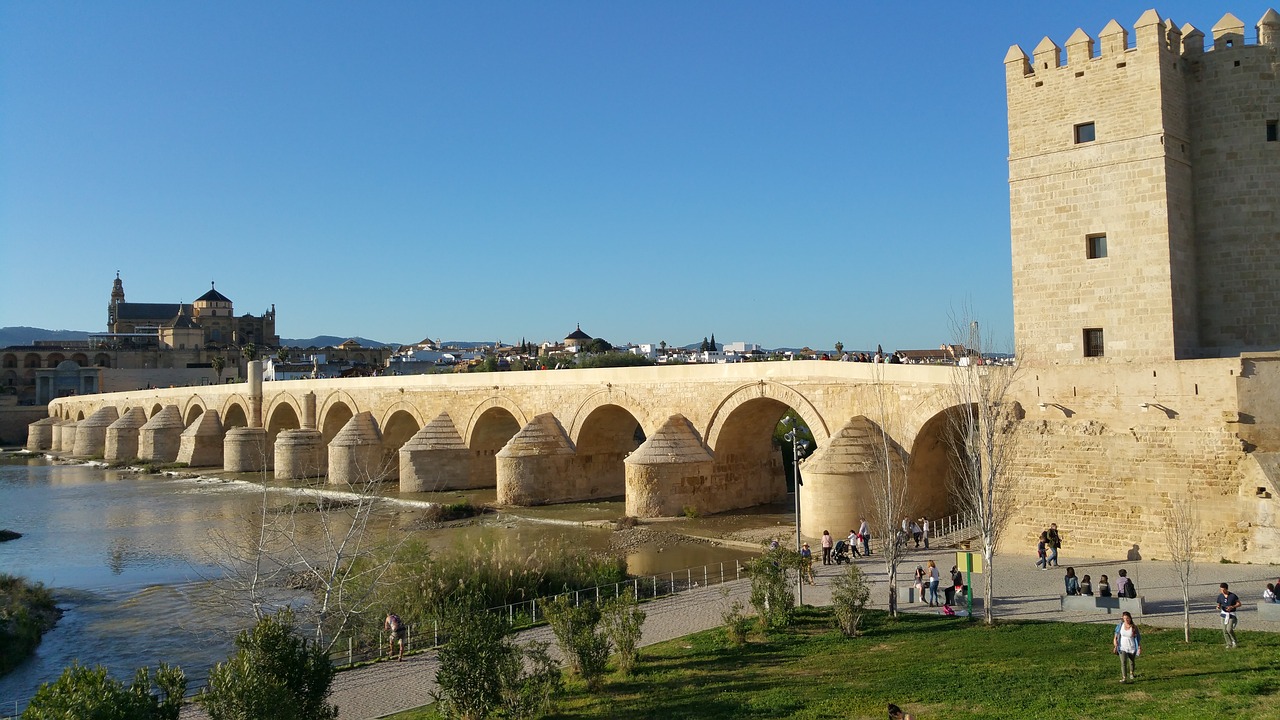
929 579
1047 547
1125 586
915 530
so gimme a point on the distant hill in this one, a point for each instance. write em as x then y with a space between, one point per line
10 336
320 341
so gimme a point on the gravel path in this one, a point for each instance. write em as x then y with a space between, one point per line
1023 591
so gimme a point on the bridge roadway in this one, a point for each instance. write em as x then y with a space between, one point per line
692 438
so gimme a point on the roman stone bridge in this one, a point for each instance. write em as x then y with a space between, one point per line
671 439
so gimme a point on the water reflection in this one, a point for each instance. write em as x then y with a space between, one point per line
129 556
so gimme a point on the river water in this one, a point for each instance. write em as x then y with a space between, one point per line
130 558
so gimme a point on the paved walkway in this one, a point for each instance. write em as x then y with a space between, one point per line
1023 591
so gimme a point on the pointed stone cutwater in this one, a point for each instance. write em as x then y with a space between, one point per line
836 492
64 436
91 435
245 449
122 436
536 466
201 444
435 458
355 453
161 437
669 472
40 434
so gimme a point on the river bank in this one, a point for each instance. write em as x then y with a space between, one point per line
27 612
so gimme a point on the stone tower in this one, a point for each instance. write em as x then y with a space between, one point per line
1144 181
113 308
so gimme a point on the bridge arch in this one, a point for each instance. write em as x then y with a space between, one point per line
609 397
193 409
930 469
606 436
777 392
235 412
483 411
156 408
282 413
336 416
335 399
398 425
491 425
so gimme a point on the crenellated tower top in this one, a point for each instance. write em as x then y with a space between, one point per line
1150 31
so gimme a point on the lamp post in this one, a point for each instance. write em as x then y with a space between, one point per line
796 442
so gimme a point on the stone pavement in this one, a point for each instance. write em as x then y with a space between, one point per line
1022 591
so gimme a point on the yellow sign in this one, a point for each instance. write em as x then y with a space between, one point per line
964 558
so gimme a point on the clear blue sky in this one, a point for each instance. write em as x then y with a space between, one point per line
782 173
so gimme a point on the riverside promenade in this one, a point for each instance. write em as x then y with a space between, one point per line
1023 592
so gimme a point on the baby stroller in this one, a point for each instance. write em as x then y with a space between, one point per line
841 553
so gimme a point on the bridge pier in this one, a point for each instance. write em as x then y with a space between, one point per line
122 436
245 449
161 437
435 458
669 472
837 479
300 453
64 436
355 453
40 434
201 444
91 435
536 466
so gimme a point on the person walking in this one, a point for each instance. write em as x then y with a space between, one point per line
1055 542
864 531
1228 603
396 633
806 556
854 539
924 526
1127 643
1041 552
826 547
934 578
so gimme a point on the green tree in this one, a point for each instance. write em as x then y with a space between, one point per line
704 346
219 364
599 346
274 675
623 625
249 352
839 347
90 694
282 355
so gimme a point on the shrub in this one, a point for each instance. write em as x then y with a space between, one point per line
537 687
577 631
274 675
849 596
27 611
624 626
736 625
690 511
90 694
475 664
771 593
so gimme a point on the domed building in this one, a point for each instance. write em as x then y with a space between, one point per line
577 340
212 314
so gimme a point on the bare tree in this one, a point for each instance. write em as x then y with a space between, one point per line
983 435
890 499
1182 533
319 552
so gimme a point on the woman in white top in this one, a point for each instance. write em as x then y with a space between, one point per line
1127 643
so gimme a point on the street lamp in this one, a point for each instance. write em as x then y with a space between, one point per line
796 444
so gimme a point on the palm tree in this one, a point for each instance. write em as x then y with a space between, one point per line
839 347
249 351
219 363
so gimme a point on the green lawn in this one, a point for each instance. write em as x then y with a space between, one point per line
938 667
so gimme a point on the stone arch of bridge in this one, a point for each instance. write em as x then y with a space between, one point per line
483 411
930 470
79 415
605 437
192 410
156 408
398 425
336 416
609 397
235 412
765 390
337 399
282 413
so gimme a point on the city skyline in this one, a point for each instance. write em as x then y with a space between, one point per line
780 175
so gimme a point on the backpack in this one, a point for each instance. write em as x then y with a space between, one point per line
1129 590
394 621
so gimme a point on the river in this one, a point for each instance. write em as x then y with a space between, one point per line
130 556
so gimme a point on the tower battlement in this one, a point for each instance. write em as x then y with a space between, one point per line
1150 33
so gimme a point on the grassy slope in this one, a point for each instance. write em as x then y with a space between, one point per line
939 667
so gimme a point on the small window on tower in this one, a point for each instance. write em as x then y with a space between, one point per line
1271 131
1084 133
1093 342
1095 246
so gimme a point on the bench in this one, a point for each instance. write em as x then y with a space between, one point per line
1269 611
1109 605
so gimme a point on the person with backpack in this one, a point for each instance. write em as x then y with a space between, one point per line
396 631
1127 643
1125 587
1054 540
